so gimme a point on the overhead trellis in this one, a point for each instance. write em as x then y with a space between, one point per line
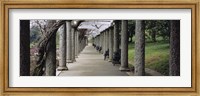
94 27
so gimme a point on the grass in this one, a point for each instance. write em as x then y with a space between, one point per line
156 56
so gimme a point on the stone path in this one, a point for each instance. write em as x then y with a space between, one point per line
91 63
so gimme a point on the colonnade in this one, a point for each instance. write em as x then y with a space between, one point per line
109 39
71 44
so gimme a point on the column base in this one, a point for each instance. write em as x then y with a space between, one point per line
69 61
116 62
62 68
124 69
74 60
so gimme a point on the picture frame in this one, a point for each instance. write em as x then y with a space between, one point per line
111 4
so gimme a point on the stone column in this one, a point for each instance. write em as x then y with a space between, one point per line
76 44
107 39
95 40
87 41
98 40
102 42
104 33
124 46
84 43
110 44
116 36
139 60
73 44
79 47
62 64
69 42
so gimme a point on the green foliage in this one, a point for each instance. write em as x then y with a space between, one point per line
131 29
156 55
158 27
153 29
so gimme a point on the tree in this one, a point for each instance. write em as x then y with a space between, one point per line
174 59
151 28
162 29
139 48
24 48
34 34
38 30
43 46
50 63
156 28
131 29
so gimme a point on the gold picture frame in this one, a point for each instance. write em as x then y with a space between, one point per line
37 4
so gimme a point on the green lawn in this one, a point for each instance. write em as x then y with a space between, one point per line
156 56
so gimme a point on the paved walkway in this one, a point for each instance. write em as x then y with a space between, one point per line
91 63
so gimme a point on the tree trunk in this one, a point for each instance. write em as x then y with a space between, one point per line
153 36
139 49
24 47
174 59
42 47
50 64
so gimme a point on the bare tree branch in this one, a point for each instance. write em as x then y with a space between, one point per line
38 71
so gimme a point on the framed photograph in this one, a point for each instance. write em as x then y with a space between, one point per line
100 47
